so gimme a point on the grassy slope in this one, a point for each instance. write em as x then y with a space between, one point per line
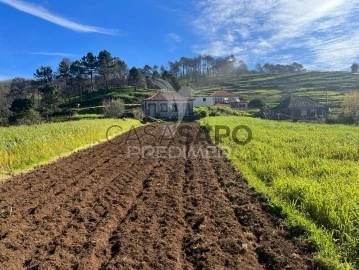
269 87
24 147
272 87
95 99
312 171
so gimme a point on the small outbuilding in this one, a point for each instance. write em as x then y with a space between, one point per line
170 105
224 97
297 108
203 101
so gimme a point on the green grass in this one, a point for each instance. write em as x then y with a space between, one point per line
271 88
311 171
23 147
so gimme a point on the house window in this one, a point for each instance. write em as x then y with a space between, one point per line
303 113
204 99
164 108
174 107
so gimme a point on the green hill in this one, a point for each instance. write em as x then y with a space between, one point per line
273 87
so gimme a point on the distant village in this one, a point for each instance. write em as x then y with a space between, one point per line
173 105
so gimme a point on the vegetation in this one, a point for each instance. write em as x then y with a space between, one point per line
114 108
25 146
355 67
86 82
256 104
324 87
309 170
221 111
351 107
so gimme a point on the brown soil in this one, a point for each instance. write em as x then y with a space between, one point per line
102 209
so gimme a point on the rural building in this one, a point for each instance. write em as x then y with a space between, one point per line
240 105
299 109
203 101
224 97
169 105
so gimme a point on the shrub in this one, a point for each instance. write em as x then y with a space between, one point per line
214 113
138 114
30 117
256 104
113 108
203 114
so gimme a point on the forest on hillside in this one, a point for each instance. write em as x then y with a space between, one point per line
90 79
27 100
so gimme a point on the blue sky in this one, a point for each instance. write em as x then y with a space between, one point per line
321 34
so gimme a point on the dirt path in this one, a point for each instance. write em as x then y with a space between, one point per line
104 209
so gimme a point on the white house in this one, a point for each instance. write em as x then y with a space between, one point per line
224 97
168 105
203 101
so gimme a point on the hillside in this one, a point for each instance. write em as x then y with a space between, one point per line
273 87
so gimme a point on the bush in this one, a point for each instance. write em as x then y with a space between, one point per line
30 117
214 113
114 108
138 114
256 104
203 114
149 119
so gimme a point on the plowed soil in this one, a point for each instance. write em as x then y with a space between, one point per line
106 208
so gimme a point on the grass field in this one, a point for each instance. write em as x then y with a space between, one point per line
311 171
271 88
25 146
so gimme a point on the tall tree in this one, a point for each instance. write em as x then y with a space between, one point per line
258 68
4 107
242 67
135 77
63 69
44 74
155 73
64 75
147 71
77 72
119 71
50 99
105 64
91 64
355 67
19 88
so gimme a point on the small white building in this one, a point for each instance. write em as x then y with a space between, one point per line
224 97
203 101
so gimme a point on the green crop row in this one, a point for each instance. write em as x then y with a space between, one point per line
312 171
23 147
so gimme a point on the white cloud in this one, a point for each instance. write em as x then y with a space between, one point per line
173 39
322 32
54 54
44 14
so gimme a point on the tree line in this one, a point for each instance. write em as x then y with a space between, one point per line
29 100
208 65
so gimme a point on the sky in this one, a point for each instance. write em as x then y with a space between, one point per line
320 34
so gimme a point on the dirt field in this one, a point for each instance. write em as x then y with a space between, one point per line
102 208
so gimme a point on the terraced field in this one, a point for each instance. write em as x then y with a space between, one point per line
273 87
